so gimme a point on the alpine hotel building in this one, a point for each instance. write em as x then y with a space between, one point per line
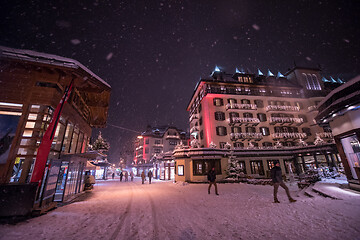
256 119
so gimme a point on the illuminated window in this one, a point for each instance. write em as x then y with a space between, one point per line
259 103
232 101
236 129
257 167
250 129
299 104
218 102
262 117
202 167
30 125
27 133
265 131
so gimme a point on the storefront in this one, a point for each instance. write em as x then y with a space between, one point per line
164 166
193 164
341 111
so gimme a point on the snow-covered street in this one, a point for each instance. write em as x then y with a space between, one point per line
164 210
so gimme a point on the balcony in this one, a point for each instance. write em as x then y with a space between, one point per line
193 117
282 108
158 145
283 120
241 106
288 135
243 136
325 135
194 129
239 120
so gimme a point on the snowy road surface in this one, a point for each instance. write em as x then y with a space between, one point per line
164 210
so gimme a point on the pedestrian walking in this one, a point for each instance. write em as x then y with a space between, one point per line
212 180
143 177
276 176
150 175
126 176
113 175
132 175
121 176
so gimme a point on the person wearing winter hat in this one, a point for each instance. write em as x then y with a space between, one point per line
276 176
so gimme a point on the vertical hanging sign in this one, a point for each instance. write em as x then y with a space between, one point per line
45 145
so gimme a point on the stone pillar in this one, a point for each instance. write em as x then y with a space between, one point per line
316 162
333 161
327 160
296 164
303 162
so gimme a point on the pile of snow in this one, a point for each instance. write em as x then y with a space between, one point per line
180 183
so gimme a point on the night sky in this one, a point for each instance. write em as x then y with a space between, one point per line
153 53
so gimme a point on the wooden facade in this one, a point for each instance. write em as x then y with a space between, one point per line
32 85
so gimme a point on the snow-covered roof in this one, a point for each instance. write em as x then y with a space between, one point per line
38 57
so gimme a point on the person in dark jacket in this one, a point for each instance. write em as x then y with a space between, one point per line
276 176
212 180
150 175
121 176
142 177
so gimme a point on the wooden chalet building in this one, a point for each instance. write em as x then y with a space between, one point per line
32 84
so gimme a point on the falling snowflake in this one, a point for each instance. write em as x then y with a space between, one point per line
75 41
109 56
308 58
256 27
346 40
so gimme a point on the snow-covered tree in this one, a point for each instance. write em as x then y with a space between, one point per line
251 145
278 144
231 171
234 170
319 140
212 145
100 144
227 145
194 143
302 143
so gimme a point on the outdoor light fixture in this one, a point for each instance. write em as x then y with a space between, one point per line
140 137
